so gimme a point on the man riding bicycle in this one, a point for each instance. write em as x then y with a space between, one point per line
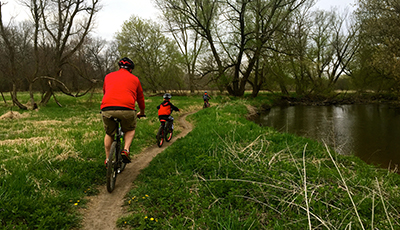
121 90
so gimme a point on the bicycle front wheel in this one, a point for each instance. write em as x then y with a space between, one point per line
160 136
112 167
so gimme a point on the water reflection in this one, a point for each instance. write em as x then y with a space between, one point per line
371 132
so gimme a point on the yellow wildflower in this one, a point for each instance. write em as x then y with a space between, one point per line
152 219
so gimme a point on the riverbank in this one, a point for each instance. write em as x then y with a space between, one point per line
339 98
233 174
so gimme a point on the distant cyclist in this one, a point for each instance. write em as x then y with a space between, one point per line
165 109
121 91
206 97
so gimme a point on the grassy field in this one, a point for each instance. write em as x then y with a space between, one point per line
228 173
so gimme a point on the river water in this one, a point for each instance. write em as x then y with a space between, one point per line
371 132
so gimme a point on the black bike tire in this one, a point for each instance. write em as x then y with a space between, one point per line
112 171
168 135
160 136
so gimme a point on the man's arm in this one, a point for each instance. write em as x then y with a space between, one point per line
140 99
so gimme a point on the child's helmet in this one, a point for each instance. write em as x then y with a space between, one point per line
167 96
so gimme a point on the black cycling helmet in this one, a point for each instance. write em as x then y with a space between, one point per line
167 96
126 63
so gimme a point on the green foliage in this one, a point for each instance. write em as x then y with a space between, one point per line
377 65
155 55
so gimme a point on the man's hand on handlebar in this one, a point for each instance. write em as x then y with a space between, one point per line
140 114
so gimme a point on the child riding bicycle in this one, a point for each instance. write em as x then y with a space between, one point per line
165 109
206 97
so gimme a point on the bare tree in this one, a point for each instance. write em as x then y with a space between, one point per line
10 41
67 23
191 44
236 32
319 48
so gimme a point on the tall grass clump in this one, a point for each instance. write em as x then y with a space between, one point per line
229 173
53 157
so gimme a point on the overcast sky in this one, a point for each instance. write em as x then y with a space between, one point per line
115 12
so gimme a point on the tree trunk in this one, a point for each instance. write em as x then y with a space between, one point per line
33 103
46 98
4 99
15 99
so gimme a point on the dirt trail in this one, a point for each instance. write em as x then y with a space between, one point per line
104 209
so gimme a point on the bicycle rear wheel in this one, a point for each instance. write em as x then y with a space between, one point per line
112 167
160 136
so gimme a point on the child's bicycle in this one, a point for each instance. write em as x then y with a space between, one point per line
164 132
115 164
206 104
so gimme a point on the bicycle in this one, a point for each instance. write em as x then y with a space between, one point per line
206 104
164 132
115 165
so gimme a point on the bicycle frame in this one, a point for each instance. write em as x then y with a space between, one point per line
206 104
119 137
115 164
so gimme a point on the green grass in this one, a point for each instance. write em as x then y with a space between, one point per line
53 157
228 173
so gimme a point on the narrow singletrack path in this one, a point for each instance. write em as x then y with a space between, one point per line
104 209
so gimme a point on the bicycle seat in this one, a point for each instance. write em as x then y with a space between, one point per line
116 119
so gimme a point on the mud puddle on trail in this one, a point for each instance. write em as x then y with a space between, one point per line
104 209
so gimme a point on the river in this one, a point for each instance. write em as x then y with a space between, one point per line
371 132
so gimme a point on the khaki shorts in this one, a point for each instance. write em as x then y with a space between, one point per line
127 117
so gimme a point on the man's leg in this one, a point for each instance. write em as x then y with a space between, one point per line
128 137
108 140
